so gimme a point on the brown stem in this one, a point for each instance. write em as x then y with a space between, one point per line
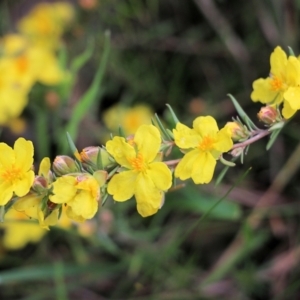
255 138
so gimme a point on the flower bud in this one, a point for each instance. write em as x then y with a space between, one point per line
269 115
237 151
238 131
40 184
64 164
95 157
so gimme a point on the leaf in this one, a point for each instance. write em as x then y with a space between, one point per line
81 59
90 96
242 114
273 138
175 119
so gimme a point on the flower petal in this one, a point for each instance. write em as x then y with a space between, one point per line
148 197
24 153
122 185
44 167
121 151
186 165
293 71
205 126
64 189
161 175
83 204
22 186
7 157
185 137
6 192
263 93
287 111
292 96
278 61
203 169
148 139
224 142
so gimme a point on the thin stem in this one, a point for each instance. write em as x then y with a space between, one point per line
255 138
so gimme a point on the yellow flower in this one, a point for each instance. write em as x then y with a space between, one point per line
80 193
10 90
16 175
19 230
204 143
281 85
46 22
144 178
130 119
26 63
31 204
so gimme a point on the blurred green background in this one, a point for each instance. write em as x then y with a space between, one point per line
189 54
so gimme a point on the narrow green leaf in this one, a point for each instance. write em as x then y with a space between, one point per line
272 139
242 113
81 59
276 126
291 51
90 96
71 144
173 114
161 127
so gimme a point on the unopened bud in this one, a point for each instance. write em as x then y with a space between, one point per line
95 157
238 131
64 164
40 184
237 151
269 115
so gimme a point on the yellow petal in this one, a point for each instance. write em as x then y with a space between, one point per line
70 214
293 71
7 157
148 197
148 140
278 61
121 151
83 204
287 111
292 96
24 153
185 137
6 192
161 175
224 142
203 169
23 185
64 189
186 165
44 167
263 93
122 186
205 126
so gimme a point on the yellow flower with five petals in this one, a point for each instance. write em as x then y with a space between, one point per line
204 145
282 85
143 176
80 193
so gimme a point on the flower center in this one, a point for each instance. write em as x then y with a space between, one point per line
11 174
206 144
138 163
276 83
22 64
